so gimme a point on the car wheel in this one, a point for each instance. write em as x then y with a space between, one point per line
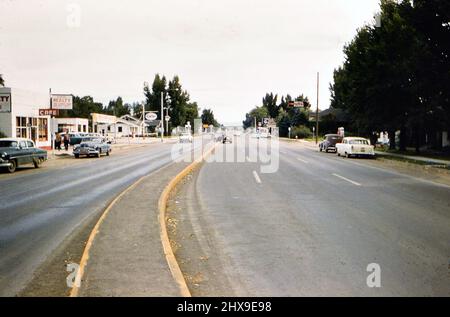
37 163
77 155
320 148
12 167
107 153
347 155
99 154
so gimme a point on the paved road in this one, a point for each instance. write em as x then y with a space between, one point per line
314 226
39 208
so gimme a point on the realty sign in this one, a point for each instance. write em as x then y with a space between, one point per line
5 102
63 102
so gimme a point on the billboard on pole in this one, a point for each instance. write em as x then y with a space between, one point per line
62 102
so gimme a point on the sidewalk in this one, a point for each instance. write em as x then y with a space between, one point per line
127 258
428 160
421 159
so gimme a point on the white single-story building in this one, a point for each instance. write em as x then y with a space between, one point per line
122 127
19 115
70 125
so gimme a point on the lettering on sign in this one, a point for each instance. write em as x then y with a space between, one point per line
5 102
48 112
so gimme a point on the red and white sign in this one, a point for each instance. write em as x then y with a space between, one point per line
63 102
48 112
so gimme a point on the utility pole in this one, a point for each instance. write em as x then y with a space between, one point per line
143 121
317 111
167 121
52 136
162 116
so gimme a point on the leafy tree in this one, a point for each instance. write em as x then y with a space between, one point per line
2 81
208 118
191 113
270 103
118 108
396 76
179 100
82 108
153 95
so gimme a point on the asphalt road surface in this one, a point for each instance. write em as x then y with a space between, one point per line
314 226
39 208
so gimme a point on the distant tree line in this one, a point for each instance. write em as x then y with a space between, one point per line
396 74
181 108
284 115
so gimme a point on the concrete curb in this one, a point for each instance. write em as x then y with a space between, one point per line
85 257
162 206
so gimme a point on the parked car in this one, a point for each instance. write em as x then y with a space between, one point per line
355 147
94 147
15 152
329 143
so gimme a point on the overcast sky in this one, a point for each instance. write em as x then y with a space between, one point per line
228 53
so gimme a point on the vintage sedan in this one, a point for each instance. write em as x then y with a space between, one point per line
93 147
15 152
329 142
355 147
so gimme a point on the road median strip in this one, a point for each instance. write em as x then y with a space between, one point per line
162 206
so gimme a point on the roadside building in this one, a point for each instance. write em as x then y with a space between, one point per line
19 115
119 127
72 125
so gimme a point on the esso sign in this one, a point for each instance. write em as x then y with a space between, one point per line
151 116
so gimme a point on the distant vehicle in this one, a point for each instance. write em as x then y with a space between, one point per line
264 133
329 142
355 147
185 137
15 152
77 138
226 139
94 147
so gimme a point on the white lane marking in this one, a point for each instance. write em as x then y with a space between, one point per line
346 179
302 160
258 180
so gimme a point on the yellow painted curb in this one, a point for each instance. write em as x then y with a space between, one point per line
162 205
85 257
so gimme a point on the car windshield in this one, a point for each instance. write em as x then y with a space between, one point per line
8 144
359 141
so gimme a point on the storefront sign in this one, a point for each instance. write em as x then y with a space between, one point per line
48 112
5 102
103 118
63 102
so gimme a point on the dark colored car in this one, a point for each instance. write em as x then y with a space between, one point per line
329 143
15 152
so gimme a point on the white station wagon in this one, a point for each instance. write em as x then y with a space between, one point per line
355 147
